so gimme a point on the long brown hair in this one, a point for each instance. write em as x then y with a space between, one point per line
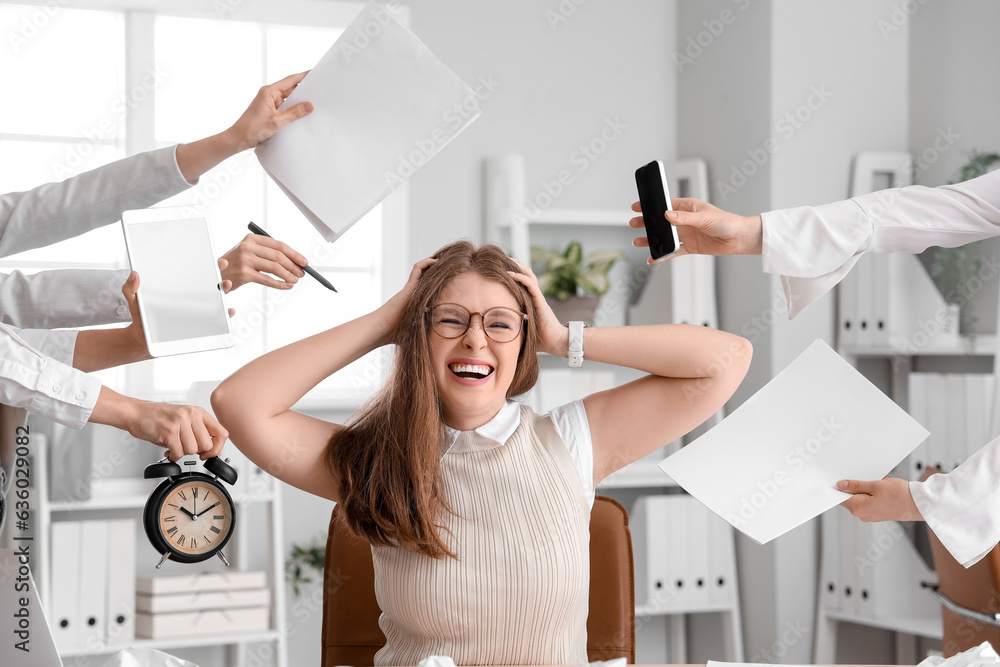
387 460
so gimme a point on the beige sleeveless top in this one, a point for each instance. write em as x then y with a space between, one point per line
519 592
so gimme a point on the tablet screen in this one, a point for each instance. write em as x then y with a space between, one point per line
177 279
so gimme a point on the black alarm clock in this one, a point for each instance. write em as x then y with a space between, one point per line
190 516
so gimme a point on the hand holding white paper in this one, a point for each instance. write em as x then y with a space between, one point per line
773 463
384 106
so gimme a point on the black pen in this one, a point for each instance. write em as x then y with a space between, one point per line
308 269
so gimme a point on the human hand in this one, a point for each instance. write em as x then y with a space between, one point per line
704 229
553 336
392 310
256 256
135 336
886 499
182 429
262 119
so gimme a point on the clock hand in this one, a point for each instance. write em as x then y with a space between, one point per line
188 512
205 510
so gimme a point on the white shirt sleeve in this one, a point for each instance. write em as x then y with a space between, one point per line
63 298
42 385
963 506
571 423
813 248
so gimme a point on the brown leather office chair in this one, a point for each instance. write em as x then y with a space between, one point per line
351 635
970 598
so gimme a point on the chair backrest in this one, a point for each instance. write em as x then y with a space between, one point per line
976 588
351 634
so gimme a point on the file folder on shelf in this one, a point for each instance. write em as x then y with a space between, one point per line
93 582
829 560
66 626
121 581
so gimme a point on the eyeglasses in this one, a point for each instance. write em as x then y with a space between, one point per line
450 320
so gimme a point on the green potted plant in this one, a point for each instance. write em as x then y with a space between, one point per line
302 559
572 283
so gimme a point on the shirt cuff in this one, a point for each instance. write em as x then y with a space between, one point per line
813 248
178 168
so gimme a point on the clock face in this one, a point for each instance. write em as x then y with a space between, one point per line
195 517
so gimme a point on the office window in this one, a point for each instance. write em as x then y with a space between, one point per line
206 71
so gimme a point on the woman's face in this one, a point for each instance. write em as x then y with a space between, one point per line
473 371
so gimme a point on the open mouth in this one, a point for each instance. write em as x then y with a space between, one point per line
471 371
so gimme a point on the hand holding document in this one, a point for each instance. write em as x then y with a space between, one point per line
774 462
384 106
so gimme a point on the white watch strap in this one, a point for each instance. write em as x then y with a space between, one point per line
575 355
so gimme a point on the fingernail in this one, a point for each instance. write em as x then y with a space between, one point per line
671 215
842 485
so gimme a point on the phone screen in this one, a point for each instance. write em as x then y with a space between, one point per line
655 202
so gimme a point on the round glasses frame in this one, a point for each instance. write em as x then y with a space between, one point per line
442 330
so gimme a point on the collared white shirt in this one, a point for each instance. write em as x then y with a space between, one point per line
813 248
571 423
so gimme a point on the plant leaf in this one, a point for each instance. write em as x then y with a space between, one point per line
595 282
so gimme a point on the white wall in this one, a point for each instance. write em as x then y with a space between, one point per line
562 77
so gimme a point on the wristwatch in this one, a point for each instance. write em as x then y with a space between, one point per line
575 352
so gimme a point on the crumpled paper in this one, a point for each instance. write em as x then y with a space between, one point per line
436 661
983 655
145 657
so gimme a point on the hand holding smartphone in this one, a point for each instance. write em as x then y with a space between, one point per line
654 197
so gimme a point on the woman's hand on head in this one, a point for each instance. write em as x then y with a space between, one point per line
554 337
392 310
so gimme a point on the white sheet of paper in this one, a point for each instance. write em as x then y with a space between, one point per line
384 105
774 462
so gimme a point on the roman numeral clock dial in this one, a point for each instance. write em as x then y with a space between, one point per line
190 516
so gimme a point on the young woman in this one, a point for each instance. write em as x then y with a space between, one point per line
478 510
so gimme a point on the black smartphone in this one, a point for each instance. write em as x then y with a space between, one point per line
651 181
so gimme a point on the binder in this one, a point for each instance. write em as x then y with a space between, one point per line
698 553
722 566
703 283
863 300
976 415
847 311
864 566
65 584
918 315
651 550
681 586
121 581
93 583
829 565
849 579
937 419
958 418
894 570
917 460
879 287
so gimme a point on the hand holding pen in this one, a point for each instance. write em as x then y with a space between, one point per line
300 261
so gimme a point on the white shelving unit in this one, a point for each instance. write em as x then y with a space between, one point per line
907 625
507 220
46 512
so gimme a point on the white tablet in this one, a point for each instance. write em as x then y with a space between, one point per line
182 304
